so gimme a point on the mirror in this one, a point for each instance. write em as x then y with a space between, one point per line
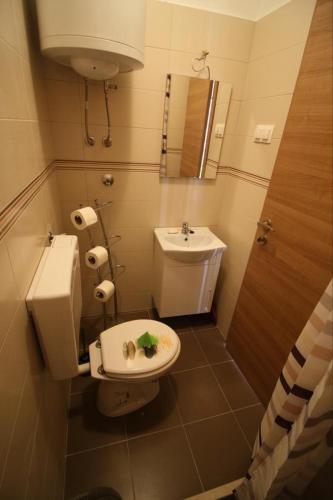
195 113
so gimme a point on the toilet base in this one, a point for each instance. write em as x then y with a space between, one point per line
119 398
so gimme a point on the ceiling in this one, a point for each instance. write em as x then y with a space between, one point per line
246 9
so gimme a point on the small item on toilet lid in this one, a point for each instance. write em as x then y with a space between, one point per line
150 351
147 340
131 350
125 350
148 343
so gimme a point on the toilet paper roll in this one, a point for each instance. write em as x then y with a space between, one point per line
96 257
104 291
84 217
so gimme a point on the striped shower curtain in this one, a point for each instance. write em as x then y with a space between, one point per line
295 437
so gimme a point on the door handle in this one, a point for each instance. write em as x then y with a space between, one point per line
267 227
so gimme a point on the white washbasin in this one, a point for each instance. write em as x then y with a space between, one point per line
194 247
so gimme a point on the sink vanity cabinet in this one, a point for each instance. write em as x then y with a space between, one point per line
185 270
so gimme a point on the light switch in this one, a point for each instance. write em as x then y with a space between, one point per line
263 134
219 130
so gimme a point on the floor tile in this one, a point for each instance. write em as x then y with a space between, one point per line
220 450
213 345
249 420
198 394
87 428
160 414
162 467
234 385
203 321
83 384
177 323
105 467
191 355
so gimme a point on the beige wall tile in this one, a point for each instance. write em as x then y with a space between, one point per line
253 157
129 186
25 243
63 101
51 206
272 110
233 116
189 29
54 71
152 76
132 214
19 164
26 150
43 144
138 274
229 37
202 203
135 301
34 92
282 28
173 202
158 24
7 23
72 184
275 74
229 71
128 107
241 197
241 208
12 101
14 353
133 238
22 442
26 29
9 293
47 462
225 309
67 141
227 150
136 145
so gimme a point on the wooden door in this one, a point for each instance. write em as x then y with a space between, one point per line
286 277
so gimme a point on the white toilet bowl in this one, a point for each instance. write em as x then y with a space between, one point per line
125 384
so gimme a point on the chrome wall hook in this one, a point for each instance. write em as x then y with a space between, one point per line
107 180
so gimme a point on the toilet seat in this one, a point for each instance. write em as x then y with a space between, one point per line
111 357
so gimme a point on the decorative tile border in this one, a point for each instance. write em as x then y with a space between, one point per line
245 176
100 165
12 211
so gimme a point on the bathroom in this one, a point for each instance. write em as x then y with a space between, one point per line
196 437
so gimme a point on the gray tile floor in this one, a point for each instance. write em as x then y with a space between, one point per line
197 434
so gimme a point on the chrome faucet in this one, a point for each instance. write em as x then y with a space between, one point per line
185 229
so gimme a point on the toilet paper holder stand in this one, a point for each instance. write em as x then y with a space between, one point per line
106 243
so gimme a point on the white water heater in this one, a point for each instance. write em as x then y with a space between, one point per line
97 38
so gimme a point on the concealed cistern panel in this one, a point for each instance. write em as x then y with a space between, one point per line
55 303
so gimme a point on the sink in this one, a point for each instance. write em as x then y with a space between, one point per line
188 248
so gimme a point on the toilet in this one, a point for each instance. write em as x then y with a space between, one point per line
55 303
